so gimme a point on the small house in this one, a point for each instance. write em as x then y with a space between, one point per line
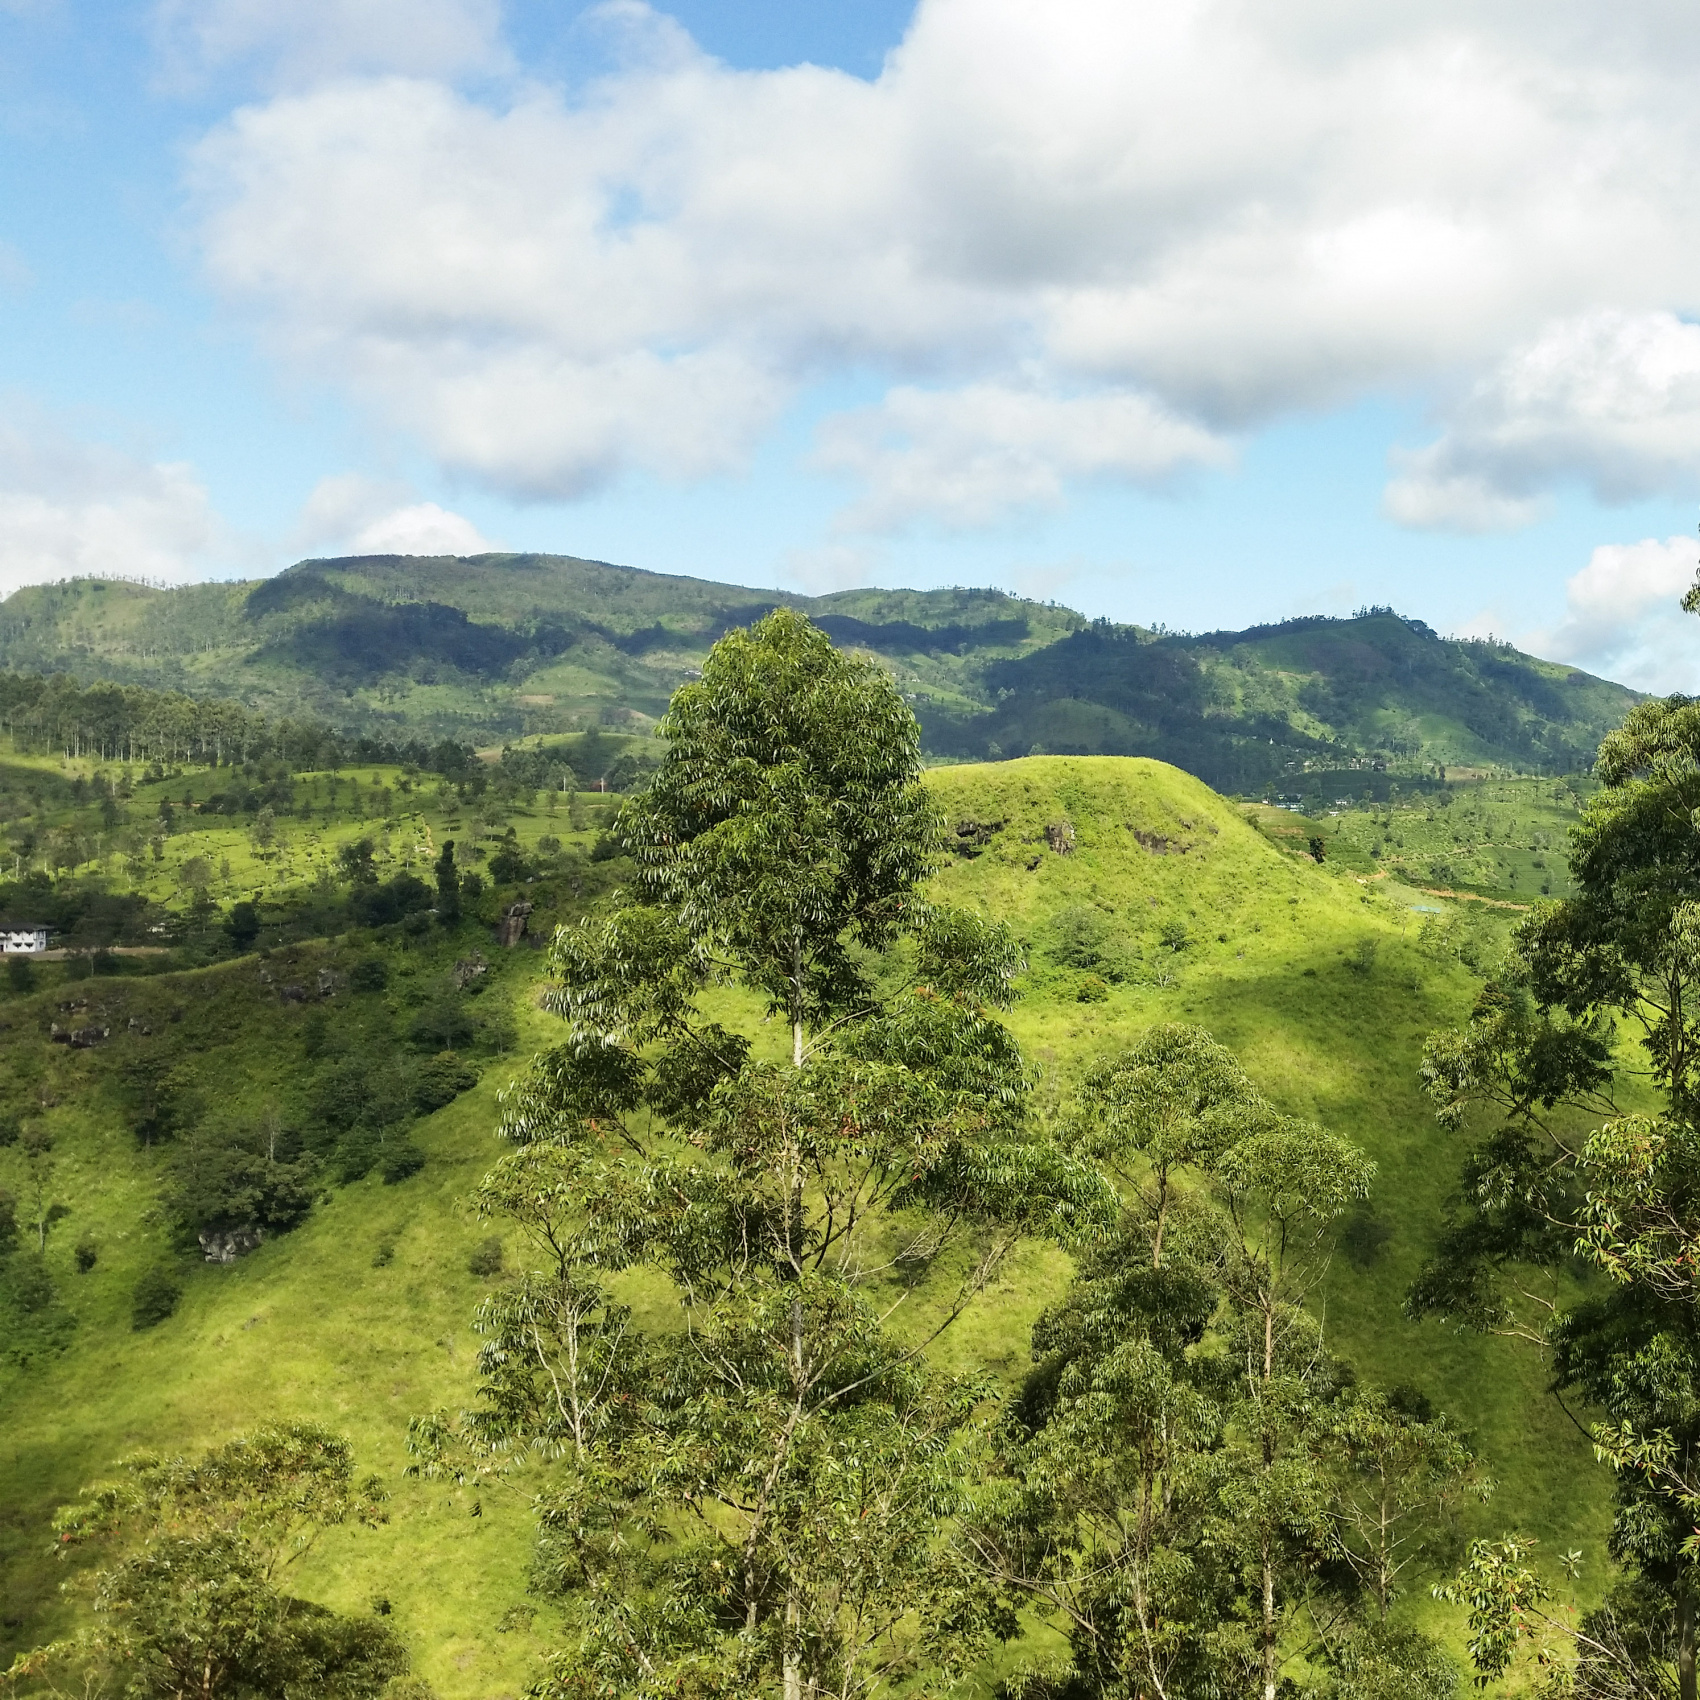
22 940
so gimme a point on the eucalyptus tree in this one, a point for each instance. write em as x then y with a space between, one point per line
1563 1181
743 1481
191 1603
1188 1481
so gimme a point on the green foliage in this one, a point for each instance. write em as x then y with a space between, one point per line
189 1604
787 824
1186 1479
486 1257
440 1080
155 1298
1540 1049
401 1160
779 846
221 1178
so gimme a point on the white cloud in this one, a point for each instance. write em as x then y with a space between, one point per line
307 40
339 506
70 508
1623 616
1212 213
422 529
1609 399
972 456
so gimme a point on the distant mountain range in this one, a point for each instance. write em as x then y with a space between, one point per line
492 647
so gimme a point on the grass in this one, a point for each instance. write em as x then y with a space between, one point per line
1324 979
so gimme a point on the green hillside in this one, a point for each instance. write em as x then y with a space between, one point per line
498 647
1141 896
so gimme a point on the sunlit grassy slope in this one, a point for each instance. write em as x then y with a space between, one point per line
1315 975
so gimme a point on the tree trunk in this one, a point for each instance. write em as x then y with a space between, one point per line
1685 1644
793 1666
1268 1622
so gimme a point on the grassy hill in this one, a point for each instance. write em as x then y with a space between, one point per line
1168 903
499 647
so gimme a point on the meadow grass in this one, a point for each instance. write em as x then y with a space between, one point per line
1324 980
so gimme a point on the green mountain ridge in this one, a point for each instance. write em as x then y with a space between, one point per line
494 648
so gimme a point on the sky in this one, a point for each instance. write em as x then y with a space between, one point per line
1197 313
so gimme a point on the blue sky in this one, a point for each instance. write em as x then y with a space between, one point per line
1201 316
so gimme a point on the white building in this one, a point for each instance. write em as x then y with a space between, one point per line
22 941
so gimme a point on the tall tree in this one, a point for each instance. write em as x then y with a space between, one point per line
1553 1188
754 1497
1186 1467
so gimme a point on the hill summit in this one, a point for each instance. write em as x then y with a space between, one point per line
497 647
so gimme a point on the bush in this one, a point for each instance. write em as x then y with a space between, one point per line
20 973
508 866
401 1159
223 1178
1092 990
384 1255
486 1257
440 1080
87 1255
371 974
154 1299
242 925
444 1024
357 1154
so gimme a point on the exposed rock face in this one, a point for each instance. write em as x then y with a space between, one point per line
225 1245
468 969
1060 836
512 929
78 1038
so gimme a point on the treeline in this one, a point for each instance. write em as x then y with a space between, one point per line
111 722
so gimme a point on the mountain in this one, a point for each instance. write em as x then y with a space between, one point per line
496 647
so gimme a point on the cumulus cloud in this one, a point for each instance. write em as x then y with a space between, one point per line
308 40
1202 216
1610 399
421 529
70 508
971 456
1623 616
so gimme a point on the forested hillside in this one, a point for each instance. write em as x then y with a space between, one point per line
499 647
293 1132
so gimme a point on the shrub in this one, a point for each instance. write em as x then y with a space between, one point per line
384 1255
357 1153
371 974
440 1080
20 973
87 1255
444 1024
486 1257
401 1159
508 866
155 1298
242 926
1174 936
1092 990
1081 938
